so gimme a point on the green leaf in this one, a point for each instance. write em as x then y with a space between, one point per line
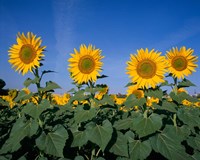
189 117
158 93
107 100
79 138
147 125
100 158
4 103
50 86
138 149
35 110
169 106
130 84
130 135
79 96
166 83
194 142
23 96
84 115
181 96
181 133
53 142
42 158
196 155
47 71
120 147
132 101
29 81
101 134
19 131
6 157
22 158
102 76
2 83
169 145
185 83
79 158
123 124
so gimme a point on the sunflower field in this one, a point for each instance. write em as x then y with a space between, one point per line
89 123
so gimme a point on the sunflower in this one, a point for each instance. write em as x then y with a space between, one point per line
134 90
186 102
147 68
102 92
26 54
61 99
85 65
181 62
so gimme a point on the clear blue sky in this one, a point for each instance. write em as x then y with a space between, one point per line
117 27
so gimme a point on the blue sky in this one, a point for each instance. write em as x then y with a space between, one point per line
117 27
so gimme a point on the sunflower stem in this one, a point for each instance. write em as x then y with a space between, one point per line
36 73
174 120
91 85
175 89
146 114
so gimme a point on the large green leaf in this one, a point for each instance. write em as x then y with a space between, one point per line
194 142
84 115
107 100
5 157
147 125
120 147
50 86
35 110
23 96
196 155
132 101
79 138
101 134
169 106
29 81
189 117
181 133
138 149
53 142
185 83
79 96
169 145
181 96
158 93
123 124
79 158
20 130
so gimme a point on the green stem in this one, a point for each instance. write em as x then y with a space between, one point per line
145 114
36 73
98 152
93 154
91 85
174 120
175 85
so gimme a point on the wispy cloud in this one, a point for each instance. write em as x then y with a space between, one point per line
190 28
64 22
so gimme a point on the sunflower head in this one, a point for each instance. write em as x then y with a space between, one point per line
85 65
147 68
26 54
186 102
134 90
181 62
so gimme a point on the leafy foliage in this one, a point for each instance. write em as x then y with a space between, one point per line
95 125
